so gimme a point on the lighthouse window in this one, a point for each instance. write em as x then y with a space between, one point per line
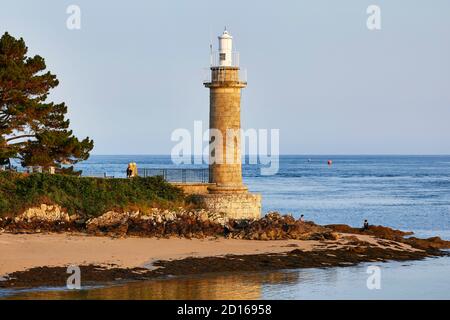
222 56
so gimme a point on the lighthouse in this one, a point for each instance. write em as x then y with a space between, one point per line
227 193
225 169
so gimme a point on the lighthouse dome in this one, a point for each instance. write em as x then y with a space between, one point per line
225 35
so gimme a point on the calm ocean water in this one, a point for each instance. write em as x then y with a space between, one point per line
426 279
405 192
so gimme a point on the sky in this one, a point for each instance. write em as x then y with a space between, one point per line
133 73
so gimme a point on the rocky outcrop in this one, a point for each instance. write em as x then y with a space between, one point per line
200 223
430 244
158 223
181 222
45 212
274 226
381 232
378 231
39 219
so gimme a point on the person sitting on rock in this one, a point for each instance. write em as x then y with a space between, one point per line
302 218
366 225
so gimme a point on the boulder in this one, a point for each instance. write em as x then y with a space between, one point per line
48 213
274 226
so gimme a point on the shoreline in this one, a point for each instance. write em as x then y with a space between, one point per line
41 260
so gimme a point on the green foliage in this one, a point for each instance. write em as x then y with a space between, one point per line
84 195
33 129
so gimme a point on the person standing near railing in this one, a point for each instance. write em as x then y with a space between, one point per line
129 170
132 170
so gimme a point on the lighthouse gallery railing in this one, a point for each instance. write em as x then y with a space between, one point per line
177 174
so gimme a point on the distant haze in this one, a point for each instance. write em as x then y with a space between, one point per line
133 73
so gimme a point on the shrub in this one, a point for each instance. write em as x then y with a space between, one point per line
84 195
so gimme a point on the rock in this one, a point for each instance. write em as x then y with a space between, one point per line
351 238
203 215
80 222
357 249
109 218
75 217
377 231
334 236
47 213
156 223
192 223
263 236
316 236
329 236
274 226
428 244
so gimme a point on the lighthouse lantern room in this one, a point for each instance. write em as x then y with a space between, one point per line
225 49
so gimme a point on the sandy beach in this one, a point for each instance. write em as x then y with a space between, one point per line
20 252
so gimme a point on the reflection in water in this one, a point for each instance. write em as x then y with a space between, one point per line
222 286
426 279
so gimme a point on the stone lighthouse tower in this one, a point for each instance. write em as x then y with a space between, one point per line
227 193
225 169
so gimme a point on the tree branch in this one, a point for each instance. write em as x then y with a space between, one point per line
19 137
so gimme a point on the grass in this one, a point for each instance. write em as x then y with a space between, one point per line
84 195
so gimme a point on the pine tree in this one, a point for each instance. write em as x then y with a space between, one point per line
32 129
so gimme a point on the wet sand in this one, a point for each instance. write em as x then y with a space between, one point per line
19 252
23 251
30 260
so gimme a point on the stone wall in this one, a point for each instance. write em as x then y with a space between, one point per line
236 205
193 188
233 205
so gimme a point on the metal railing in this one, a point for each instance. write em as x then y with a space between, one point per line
214 59
177 175
30 169
180 175
221 74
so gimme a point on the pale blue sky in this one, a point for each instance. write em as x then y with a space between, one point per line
133 73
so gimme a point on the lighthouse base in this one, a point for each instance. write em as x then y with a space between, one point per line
233 205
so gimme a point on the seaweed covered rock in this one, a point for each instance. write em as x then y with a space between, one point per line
199 223
202 223
158 223
434 243
110 222
39 219
274 226
381 232
377 231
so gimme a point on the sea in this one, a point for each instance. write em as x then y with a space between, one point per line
410 193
